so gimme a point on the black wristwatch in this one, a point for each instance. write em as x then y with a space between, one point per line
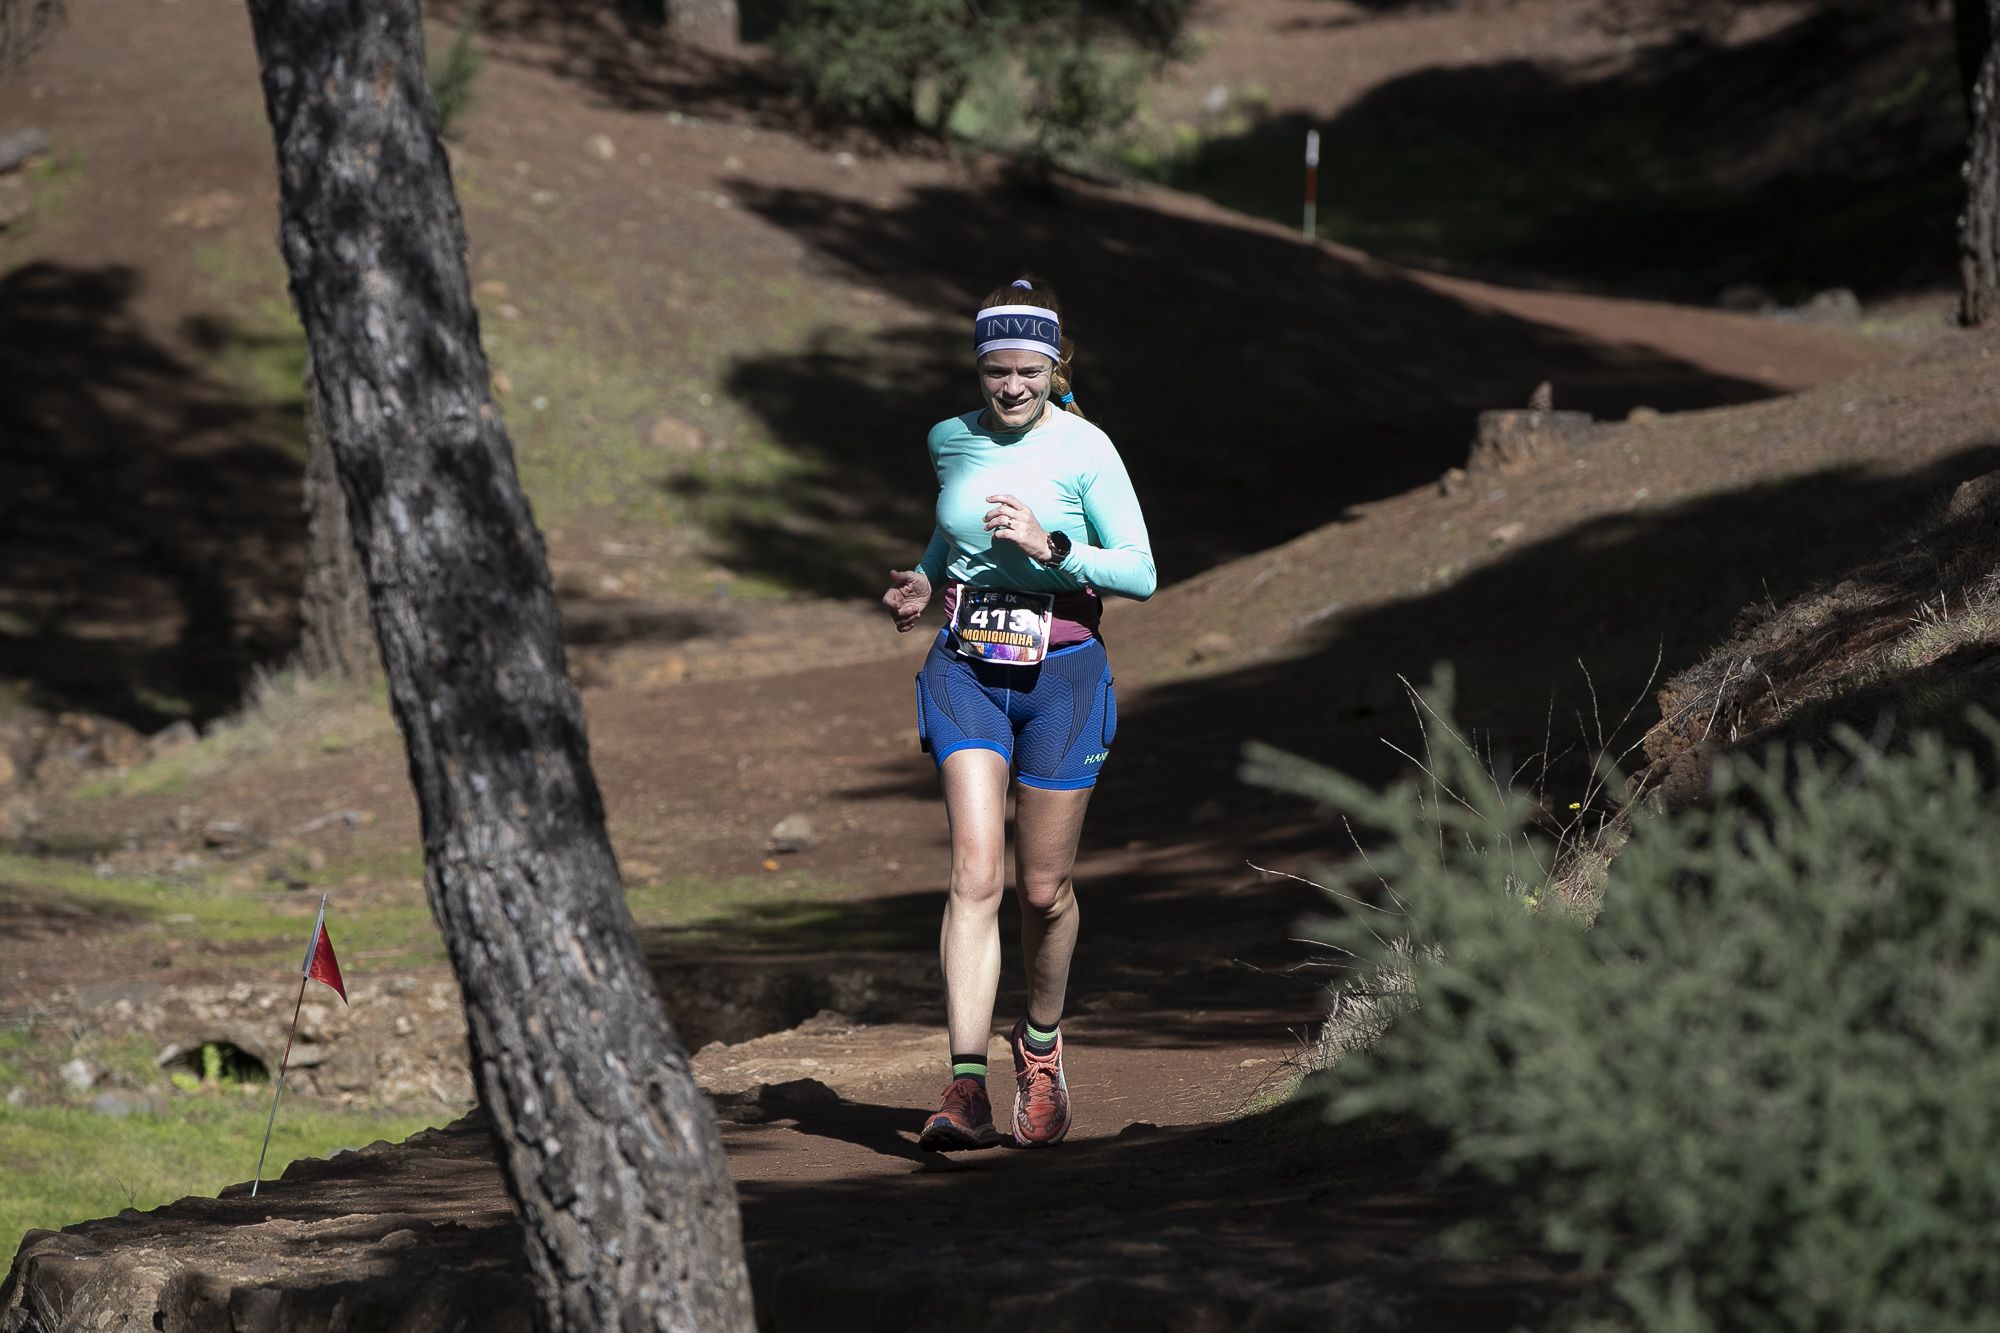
1058 550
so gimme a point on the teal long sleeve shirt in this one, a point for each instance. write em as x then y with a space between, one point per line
1069 474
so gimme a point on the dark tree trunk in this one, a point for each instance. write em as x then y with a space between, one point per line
25 27
606 1143
1972 34
336 640
1979 225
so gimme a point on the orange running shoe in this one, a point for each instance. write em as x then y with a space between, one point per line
963 1121
1041 1097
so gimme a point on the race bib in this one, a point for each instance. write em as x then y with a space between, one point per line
998 625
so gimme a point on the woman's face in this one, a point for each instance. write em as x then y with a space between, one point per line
1016 384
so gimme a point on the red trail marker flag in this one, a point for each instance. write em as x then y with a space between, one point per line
320 965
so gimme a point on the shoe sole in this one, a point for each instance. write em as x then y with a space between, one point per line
1024 1141
943 1136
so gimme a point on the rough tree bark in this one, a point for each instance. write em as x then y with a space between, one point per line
336 640
1979 224
25 28
606 1144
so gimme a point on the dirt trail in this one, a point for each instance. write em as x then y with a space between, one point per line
1162 1211
1158 1209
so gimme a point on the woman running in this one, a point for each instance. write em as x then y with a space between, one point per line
1035 519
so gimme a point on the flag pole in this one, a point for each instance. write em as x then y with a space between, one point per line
305 974
1310 223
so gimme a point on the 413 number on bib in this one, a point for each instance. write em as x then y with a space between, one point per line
999 625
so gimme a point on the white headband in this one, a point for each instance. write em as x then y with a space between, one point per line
1017 328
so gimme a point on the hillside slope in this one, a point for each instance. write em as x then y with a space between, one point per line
1574 588
1646 147
717 340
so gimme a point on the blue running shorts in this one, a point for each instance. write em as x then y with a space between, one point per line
1053 722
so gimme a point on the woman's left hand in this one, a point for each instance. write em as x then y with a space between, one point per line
1011 521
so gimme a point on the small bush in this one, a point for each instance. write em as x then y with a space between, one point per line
1063 73
873 60
1079 94
452 76
1756 1093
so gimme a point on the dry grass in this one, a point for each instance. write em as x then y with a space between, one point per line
1362 1009
1941 626
1907 640
1557 855
1567 846
284 710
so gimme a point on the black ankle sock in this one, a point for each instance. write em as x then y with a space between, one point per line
1041 1040
969 1066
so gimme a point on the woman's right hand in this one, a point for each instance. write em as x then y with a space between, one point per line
909 593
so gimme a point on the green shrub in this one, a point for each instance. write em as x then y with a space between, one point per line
1079 93
873 60
452 75
1757 1092
1067 71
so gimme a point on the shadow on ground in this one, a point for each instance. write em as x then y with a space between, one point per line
150 533
1826 154
1549 643
1274 1221
1629 598
1137 980
1256 386
425 1225
625 58
1559 647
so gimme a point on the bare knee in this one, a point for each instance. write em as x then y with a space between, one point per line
977 880
1046 896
